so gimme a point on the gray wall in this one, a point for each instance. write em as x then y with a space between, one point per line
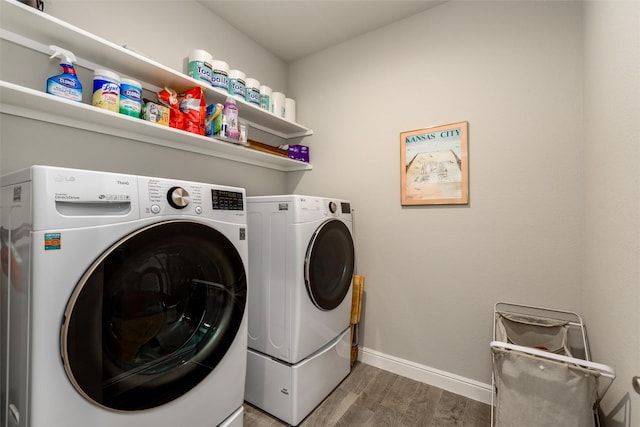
612 204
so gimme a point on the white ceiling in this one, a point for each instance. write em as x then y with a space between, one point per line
292 29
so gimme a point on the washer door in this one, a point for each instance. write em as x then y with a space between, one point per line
328 265
153 316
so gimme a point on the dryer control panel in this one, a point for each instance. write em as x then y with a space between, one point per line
309 208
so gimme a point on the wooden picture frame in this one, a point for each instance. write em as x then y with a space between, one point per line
434 165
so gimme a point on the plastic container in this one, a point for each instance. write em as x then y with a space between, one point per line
65 85
265 97
277 103
243 129
199 66
290 109
252 94
220 75
106 90
130 98
237 83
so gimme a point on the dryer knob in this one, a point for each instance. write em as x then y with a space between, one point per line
333 207
178 197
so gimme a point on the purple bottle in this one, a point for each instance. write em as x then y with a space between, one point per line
230 119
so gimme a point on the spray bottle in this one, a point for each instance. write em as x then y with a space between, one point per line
65 85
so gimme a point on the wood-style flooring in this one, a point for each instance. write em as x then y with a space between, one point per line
370 396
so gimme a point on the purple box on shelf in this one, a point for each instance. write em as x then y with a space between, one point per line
299 152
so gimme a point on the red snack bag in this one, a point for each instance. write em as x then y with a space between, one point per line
177 119
194 108
169 98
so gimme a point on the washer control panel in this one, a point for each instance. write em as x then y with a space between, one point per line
227 200
161 193
163 196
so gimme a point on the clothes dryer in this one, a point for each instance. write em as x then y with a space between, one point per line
125 299
302 256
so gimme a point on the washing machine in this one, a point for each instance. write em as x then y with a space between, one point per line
302 258
124 300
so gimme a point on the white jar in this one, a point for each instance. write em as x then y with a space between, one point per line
290 109
277 103
199 66
252 94
130 98
220 75
237 83
265 97
106 90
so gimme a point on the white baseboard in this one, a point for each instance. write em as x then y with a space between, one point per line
447 381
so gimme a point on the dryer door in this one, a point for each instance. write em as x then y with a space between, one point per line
328 265
154 315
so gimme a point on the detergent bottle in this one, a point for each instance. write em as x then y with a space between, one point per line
65 85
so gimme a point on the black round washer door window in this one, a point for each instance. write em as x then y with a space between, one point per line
329 264
153 316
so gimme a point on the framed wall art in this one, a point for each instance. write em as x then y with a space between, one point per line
433 165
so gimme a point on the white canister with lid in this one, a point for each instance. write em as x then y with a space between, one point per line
237 83
106 90
290 109
199 66
130 97
265 97
252 94
220 75
277 103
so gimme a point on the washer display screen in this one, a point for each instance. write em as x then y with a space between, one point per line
153 316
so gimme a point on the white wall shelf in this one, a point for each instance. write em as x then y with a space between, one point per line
36 30
24 102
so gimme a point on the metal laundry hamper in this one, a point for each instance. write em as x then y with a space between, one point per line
542 369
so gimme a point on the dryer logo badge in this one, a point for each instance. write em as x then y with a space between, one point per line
283 206
52 241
